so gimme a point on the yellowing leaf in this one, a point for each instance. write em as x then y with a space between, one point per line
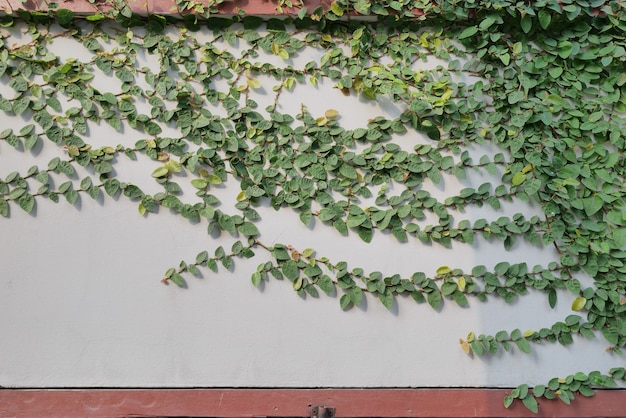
471 336
518 179
444 97
289 83
528 333
321 121
253 83
295 255
308 252
578 303
336 9
462 283
160 172
174 166
331 114
527 168
465 346
199 183
443 270
214 179
73 151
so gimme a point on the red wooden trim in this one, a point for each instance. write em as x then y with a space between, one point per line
294 402
250 7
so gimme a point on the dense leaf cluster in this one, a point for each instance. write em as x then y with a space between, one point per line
543 81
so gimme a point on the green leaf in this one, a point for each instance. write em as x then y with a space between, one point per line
290 270
564 49
586 391
434 299
487 22
448 288
211 264
611 334
592 204
564 396
16 193
326 284
526 23
71 196
619 237
95 17
356 295
572 320
515 97
365 234
386 299
64 17
523 390
531 403
177 279
544 18
356 220
248 229
523 345
27 203
202 257
345 302
460 299
580 376
306 217
20 105
256 279
532 186
4 208
468 32
552 298
538 391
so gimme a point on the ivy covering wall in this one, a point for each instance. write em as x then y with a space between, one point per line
542 81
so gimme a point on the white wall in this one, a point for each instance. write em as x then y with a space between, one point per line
81 303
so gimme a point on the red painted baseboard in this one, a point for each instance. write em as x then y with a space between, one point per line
293 403
250 7
277 402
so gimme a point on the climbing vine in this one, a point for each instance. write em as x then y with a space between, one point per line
543 81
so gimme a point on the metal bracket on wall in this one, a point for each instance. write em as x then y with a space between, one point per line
320 411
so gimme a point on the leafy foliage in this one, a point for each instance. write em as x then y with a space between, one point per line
547 89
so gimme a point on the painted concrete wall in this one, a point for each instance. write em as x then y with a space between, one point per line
81 303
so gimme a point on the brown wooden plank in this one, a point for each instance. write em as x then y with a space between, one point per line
294 402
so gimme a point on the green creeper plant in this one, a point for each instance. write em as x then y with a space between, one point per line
546 88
